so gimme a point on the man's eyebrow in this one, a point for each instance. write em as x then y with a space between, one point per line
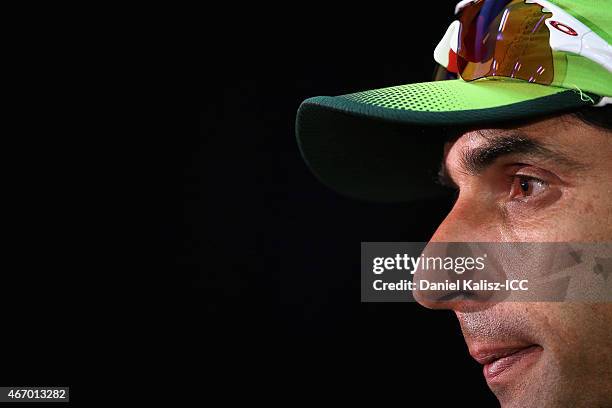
478 159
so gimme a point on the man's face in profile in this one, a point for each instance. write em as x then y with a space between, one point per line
549 181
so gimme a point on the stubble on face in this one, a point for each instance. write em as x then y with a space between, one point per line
575 366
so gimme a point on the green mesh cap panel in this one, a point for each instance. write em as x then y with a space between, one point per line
577 72
595 14
574 71
454 95
427 97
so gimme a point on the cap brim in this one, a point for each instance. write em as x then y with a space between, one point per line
386 144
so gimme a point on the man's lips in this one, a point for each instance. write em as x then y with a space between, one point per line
498 361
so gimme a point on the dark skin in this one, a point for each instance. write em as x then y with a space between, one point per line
548 181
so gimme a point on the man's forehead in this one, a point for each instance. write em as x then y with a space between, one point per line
554 132
555 142
562 130
564 135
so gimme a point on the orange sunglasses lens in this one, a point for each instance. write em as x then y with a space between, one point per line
507 39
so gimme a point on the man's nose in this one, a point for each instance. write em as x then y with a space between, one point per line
468 222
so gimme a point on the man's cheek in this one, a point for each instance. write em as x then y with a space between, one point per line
523 226
590 219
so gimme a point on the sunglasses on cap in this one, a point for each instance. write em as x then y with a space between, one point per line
517 39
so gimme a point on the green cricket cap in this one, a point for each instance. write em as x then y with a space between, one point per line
386 144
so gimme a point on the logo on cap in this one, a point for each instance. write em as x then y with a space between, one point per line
563 28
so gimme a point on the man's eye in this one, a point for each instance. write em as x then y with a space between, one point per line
523 187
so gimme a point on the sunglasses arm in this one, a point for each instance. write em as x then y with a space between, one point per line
446 50
597 49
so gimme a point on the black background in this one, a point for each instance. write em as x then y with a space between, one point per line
271 256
